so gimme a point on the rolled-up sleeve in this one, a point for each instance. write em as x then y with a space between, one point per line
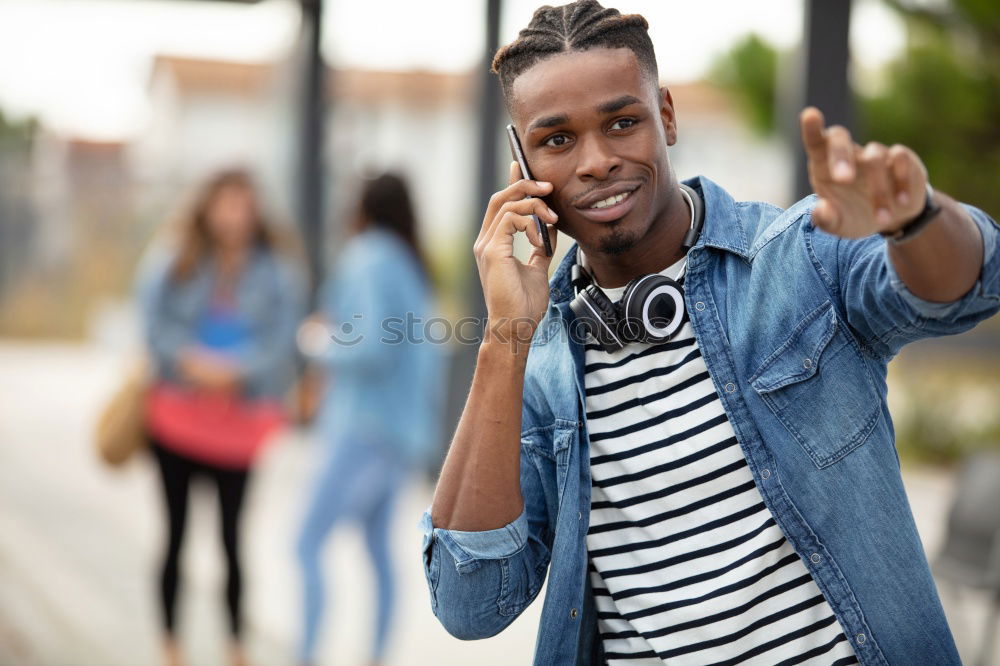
479 582
983 295
468 549
887 315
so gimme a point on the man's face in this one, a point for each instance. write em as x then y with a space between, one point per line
594 125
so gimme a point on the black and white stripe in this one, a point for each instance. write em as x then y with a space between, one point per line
687 564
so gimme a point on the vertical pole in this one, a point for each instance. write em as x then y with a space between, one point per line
827 27
310 178
489 130
463 357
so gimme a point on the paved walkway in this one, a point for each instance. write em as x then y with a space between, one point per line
79 544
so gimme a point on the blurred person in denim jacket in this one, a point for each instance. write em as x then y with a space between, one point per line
379 416
220 308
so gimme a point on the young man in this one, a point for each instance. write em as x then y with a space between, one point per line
730 494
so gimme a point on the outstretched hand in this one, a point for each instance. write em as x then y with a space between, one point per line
861 191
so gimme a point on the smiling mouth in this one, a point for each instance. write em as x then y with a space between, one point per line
611 201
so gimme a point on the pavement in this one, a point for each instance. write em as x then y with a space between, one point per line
79 545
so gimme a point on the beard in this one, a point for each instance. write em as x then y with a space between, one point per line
617 241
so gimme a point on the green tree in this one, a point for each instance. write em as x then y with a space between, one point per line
16 135
942 98
749 73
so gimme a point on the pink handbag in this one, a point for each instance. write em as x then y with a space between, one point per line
215 428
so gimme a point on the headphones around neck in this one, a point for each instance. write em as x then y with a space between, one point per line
651 309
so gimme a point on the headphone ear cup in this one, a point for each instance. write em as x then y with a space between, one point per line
631 328
599 317
653 308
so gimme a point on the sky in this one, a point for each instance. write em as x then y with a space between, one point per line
82 66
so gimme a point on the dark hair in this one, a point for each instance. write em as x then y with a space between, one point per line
385 203
578 26
192 227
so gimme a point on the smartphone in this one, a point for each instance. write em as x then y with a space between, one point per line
518 154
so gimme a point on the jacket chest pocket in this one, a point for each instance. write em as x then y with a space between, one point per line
819 386
552 442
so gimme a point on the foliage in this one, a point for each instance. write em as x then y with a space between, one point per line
16 135
944 408
942 98
749 73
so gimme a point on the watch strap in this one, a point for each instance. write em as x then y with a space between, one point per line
914 226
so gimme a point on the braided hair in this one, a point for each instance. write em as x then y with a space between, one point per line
578 26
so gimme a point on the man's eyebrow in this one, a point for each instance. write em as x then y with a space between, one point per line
618 104
548 121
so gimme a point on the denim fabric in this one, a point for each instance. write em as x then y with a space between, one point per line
386 378
269 302
796 327
358 482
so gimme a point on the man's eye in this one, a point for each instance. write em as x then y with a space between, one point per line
623 123
556 141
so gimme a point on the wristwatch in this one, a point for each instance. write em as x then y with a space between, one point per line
914 226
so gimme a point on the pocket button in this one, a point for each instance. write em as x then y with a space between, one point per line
807 363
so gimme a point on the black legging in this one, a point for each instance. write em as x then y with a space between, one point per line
176 471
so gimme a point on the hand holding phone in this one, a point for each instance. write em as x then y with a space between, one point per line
516 292
518 154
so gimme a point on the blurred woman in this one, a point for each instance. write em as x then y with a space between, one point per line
221 305
378 419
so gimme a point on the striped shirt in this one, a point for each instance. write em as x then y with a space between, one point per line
687 563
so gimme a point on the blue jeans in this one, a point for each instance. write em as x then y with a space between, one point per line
357 481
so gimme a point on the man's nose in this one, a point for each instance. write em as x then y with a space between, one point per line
597 159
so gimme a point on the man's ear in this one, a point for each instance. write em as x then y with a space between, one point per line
667 116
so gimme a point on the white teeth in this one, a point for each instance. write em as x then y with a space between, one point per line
612 200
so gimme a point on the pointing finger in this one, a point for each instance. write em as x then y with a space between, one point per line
840 154
811 124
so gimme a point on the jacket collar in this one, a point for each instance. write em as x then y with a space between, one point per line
723 229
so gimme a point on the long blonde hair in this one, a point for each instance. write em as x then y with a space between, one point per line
195 240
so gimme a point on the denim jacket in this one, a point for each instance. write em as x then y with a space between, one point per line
796 327
387 375
270 297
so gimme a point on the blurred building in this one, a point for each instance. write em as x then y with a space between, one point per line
714 140
99 203
68 231
18 218
207 114
82 190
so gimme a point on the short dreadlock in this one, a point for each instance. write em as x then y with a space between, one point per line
578 26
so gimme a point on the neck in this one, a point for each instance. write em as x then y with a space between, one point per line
659 248
231 259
